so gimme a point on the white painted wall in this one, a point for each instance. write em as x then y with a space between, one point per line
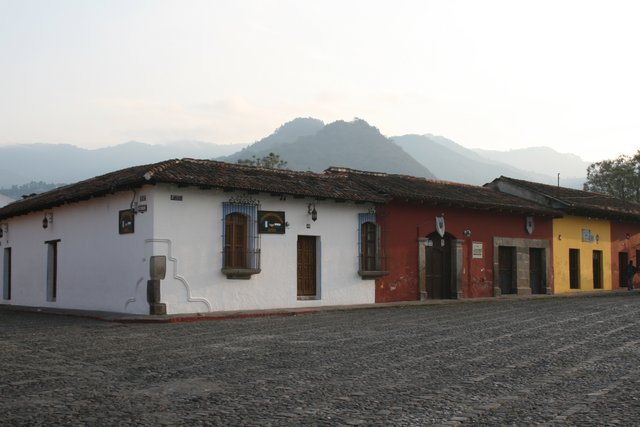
192 231
99 269
5 200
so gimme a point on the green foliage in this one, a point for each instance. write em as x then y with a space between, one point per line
271 161
618 177
17 191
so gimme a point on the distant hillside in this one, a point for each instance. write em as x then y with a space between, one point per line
305 144
453 162
543 160
16 192
22 164
288 132
355 145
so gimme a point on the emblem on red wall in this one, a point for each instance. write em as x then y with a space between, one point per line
529 224
440 225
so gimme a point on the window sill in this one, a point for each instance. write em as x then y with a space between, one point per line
240 273
308 298
372 274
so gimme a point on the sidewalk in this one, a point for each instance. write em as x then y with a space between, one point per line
240 314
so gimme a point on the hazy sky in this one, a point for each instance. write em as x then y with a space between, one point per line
487 74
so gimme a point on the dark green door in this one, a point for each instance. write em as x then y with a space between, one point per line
537 274
506 269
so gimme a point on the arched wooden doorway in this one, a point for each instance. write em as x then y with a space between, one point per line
438 263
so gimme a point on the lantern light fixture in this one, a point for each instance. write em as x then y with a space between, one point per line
311 210
48 219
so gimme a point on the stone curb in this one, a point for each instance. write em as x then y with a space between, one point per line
244 314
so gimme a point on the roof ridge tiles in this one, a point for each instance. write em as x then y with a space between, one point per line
159 167
203 173
581 201
575 191
339 170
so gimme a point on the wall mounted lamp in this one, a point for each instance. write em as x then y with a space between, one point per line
311 210
559 236
48 219
467 233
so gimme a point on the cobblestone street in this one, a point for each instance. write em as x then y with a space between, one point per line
548 361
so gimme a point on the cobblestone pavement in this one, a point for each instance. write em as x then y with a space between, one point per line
550 361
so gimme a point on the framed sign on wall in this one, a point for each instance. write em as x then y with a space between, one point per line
126 221
271 222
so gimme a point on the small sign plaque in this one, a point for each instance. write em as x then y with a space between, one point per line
587 236
476 250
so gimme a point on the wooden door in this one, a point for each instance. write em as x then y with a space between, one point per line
307 266
6 276
597 269
506 269
537 271
438 270
623 260
574 268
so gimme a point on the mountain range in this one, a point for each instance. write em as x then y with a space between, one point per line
309 144
453 162
63 163
305 144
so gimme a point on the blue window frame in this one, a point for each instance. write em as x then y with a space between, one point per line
240 239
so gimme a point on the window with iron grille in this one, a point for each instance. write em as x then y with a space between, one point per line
371 262
241 250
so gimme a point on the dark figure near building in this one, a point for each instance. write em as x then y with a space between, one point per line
631 271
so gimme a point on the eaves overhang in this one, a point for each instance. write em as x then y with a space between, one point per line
204 174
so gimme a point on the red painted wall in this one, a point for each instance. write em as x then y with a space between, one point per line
402 224
625 237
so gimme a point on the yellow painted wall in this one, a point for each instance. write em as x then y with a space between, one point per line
567 234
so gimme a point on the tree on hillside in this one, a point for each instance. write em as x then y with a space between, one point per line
271 161
33 187
618 177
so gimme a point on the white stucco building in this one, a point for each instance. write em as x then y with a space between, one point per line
190 236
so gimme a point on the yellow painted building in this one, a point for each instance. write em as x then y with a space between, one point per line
581 254
587 255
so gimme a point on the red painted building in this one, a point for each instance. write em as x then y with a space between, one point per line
468 253
445 240
625 247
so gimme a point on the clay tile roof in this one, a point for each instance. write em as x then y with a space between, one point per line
202 173
579 202
424 190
